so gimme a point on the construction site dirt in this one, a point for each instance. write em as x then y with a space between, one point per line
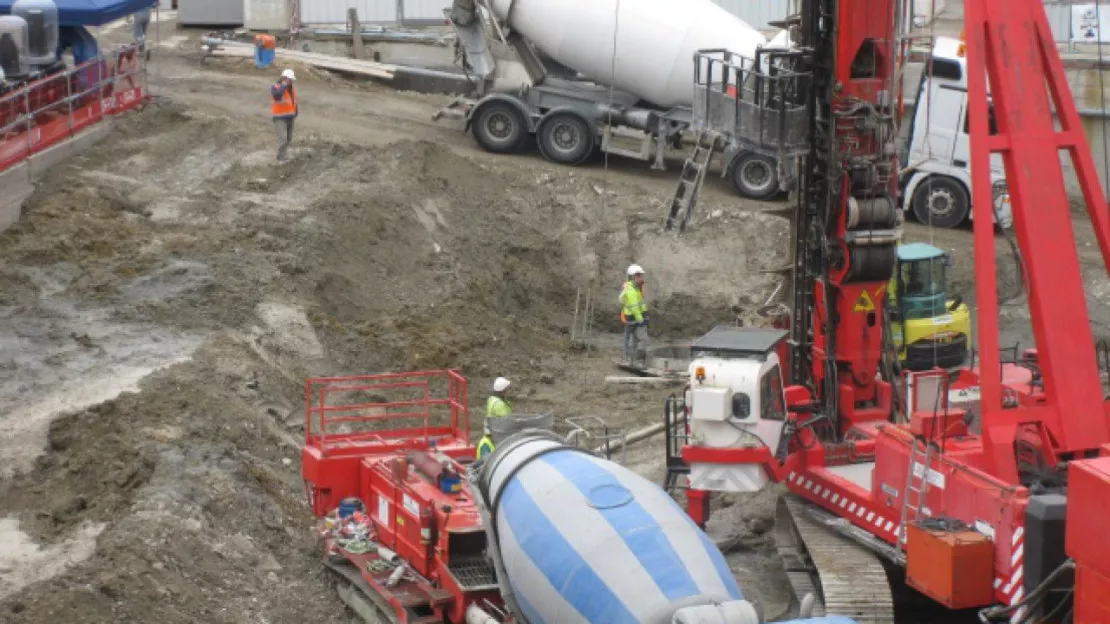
167 293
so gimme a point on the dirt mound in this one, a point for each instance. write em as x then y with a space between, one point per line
196 502
183 499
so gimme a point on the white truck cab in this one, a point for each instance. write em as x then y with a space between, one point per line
936 178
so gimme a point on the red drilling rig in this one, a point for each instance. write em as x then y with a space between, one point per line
992 504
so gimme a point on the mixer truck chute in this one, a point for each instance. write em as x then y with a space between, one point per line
633 92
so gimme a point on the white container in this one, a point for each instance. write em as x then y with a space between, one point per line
269 15
13 47
42 30
655 40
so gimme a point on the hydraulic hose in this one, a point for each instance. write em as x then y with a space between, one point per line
1034 598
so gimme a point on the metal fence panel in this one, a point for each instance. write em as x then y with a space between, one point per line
210 12
424 10
266 14
335 11
757 13
1059 20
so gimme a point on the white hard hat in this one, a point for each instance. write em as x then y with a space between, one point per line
500 384
635 269
288 74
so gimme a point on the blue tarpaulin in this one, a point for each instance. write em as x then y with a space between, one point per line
89 12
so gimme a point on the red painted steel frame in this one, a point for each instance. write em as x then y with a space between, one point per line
864 28
410 512
330 458
1088 508
58 107
317 421
1009 42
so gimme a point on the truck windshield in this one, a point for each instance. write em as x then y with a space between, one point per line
923 278
992 124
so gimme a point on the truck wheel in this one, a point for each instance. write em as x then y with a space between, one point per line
499 128
565 138
941 202
755 176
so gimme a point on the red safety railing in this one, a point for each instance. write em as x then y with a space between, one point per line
53 109
357 414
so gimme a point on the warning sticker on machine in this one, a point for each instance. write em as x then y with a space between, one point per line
410 505
984 528
964 395
865 303
383 511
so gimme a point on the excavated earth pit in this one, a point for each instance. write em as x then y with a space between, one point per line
167 294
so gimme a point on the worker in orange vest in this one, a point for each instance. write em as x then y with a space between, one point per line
284 109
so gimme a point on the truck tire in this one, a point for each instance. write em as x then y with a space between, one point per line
942 202
565 138
499 127
755 176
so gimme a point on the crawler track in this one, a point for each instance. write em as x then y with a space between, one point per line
844 577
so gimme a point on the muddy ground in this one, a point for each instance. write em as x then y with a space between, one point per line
168 292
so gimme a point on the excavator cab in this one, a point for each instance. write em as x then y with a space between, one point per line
928 328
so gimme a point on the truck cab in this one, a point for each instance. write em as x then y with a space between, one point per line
929 330
936 183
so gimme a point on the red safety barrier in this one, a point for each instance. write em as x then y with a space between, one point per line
54 109
381 413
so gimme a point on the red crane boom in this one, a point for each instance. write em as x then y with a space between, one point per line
1009 42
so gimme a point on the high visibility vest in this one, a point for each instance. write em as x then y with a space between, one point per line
286 106
496 407
632 303
485 447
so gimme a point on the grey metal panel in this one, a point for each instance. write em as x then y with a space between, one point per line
209 12
335 11
1059 20
757 13
266 14
424 10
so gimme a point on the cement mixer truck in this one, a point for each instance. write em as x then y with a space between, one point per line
582 76
577 538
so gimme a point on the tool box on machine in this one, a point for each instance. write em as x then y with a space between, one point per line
953 567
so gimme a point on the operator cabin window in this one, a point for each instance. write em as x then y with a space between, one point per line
770 394
992 124
923 279
741 405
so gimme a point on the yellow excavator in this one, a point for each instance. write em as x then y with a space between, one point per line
928 329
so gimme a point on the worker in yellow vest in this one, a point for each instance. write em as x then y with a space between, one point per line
633 312
497 406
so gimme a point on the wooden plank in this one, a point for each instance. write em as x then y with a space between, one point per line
614 379
322 61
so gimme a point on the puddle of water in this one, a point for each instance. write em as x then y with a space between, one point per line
24 429
23 562
60 358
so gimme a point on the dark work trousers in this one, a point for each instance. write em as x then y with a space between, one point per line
283 126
